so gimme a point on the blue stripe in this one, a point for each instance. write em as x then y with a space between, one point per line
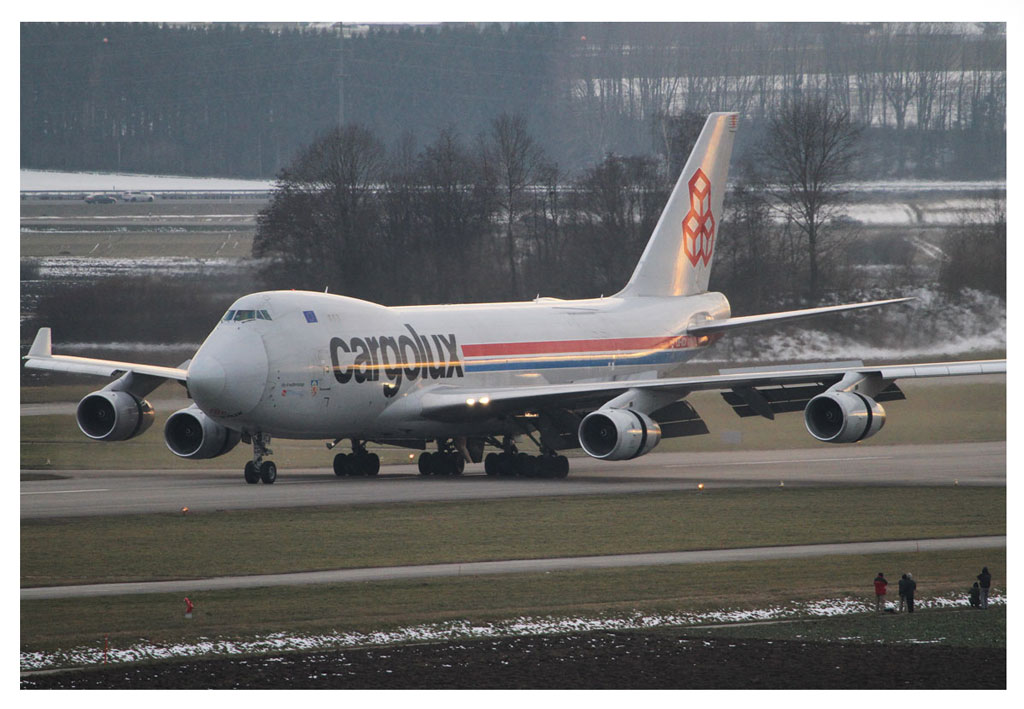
660 357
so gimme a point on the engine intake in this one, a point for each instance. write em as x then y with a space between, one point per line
618 434
843 417
190 433
113 415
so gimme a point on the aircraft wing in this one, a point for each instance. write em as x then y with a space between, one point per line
40 356
447 403
713 326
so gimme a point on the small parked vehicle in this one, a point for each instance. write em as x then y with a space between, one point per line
100 198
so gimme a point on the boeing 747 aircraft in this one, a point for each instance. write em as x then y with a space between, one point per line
605 374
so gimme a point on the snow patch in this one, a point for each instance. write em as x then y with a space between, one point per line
460 630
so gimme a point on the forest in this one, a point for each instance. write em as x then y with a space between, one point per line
244 100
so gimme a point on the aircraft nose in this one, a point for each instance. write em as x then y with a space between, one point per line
228 375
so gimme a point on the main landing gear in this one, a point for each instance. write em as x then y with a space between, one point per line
357 463
523 465
511 463
258 469
443 463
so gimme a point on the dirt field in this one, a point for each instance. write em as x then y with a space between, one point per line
606 660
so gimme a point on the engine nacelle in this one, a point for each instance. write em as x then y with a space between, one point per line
843 417
190 433
113 415
618 434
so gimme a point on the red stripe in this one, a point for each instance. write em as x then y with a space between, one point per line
561 346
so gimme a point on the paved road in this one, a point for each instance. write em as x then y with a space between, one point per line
391 573
126 492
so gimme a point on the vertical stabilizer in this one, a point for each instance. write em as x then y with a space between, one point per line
677 260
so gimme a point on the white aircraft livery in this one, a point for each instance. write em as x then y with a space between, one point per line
604 374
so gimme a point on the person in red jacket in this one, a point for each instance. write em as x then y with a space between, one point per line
880 584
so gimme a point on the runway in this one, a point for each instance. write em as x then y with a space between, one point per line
81 493
397 573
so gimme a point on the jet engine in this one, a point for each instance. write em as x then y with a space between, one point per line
107 415
843 417
618 434
190 433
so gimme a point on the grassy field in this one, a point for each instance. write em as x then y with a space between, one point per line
959 627
164 546
131 243
55 443
363 607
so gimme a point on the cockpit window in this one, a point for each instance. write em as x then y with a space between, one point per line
262 315
245 315
229 316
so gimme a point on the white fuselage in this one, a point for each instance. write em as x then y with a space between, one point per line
335 365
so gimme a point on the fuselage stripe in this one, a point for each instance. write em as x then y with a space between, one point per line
614 344
598 360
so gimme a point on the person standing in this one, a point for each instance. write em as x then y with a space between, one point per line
880 585
984 582
974 596
903 594
911 587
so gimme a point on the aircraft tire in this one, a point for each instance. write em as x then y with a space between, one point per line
370 464
562 468
441 465
341 466
506 467
252 474
491 464
548 466
268 472
425 463
524 465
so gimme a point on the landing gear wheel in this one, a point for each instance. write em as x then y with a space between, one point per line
341 466
252 473
426 463
561 467
491 464
525 465
268 472
370 464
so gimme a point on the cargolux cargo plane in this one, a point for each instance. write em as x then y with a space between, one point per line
604 374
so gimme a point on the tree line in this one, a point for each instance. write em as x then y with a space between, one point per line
242 100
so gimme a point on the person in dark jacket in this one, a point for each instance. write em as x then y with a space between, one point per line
911 587
903 594
880 584
974 596
984 582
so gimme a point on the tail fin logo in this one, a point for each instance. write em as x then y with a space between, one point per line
699 222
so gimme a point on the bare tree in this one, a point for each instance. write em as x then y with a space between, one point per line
975 253
809 151
512 159
314 229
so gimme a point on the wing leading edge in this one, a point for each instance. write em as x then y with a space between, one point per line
40 356
713 326
447 403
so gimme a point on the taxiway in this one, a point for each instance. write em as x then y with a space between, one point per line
104 492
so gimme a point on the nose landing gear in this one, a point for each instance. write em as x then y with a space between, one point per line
257 469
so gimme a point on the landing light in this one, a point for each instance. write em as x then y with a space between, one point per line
485 400
470 402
